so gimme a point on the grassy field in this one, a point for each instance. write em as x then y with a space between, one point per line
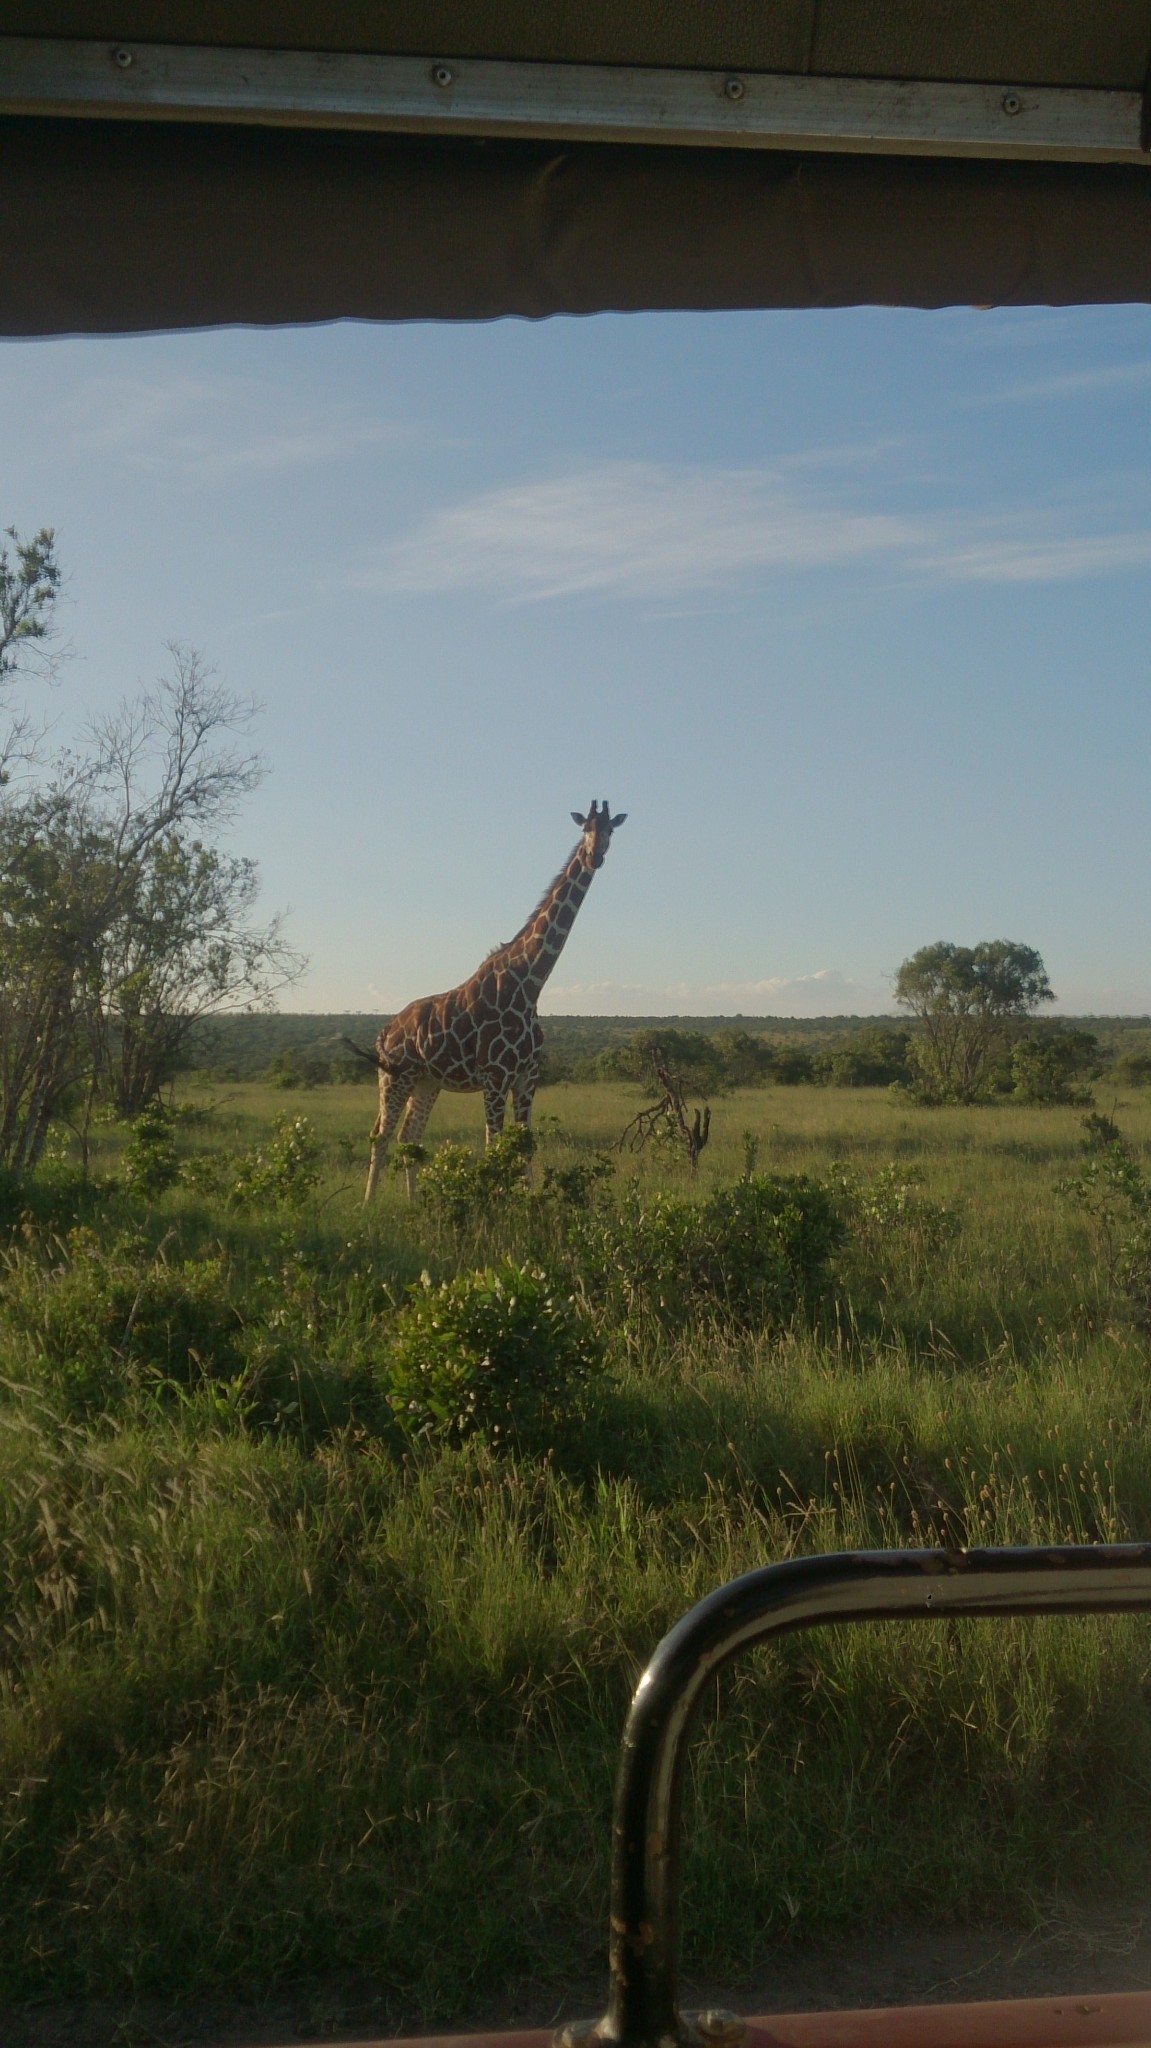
287 1692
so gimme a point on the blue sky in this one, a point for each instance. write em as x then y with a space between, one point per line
847 610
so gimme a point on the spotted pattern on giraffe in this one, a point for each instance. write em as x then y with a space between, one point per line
485 1034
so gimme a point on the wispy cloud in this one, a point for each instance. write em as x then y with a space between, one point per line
644 530
1073 384
1044 560
629 529
847 454
215 433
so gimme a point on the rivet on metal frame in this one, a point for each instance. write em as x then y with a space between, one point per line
442 75
123 59
1012 104
734 88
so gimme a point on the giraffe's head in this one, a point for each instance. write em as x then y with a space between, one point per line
597 829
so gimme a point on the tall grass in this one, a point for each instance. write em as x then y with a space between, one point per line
280 1697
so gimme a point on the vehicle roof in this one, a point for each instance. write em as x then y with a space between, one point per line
1100 43
121 224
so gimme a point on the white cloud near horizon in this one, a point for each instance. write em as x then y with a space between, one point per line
650 530
824 993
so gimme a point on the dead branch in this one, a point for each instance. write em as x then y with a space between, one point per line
670 1112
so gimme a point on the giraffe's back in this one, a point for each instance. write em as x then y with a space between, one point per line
483 1027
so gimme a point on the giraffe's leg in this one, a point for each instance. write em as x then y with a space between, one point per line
392 1099
495 1103
523 1097
421 1103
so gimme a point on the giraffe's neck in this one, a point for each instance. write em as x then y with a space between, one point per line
537 946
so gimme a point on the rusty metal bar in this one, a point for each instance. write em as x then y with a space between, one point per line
900 1585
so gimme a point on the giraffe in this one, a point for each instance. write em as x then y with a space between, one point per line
485 1034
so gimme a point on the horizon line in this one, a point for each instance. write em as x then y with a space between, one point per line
708 1016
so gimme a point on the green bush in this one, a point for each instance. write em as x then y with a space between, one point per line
1133 1069
1113 1195
578 1186
297 1068
500 1353
284 1170
149 1158
1045 1065
872 1059
792 1066
1099 1131
895 1233
459 1188
753 1254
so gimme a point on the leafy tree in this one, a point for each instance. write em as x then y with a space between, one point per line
747 1060
29 587
74 855
1133 1069
30 581
182 946
792 1066
966 1000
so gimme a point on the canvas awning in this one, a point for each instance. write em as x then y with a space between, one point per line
173 163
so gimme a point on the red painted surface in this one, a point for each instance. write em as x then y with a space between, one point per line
1121 2019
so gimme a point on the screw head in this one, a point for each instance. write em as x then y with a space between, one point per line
1012 104
442 75
123 59
734 88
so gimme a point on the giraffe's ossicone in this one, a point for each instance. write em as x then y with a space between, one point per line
485 1034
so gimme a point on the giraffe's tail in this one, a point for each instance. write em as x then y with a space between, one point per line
373 1058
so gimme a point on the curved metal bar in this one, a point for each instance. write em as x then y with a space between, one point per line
643 2011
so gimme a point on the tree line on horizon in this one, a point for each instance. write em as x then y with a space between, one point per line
973 1035
1047 1061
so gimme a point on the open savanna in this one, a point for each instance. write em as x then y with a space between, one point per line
287 1696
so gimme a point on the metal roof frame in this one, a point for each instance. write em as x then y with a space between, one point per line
189 163
448 95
